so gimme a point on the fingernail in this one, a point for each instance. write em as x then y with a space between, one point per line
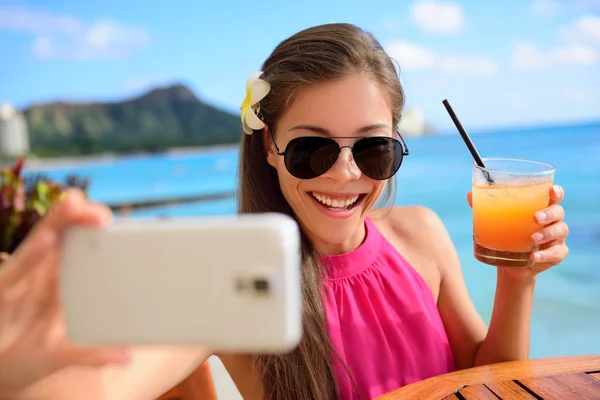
540 216
537 236
537 257
557 190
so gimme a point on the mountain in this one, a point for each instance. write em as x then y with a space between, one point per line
164 117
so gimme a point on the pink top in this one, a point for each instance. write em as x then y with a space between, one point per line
383 320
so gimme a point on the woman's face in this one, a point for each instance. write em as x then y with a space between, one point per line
332 207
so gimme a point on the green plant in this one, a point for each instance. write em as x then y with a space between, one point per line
23 201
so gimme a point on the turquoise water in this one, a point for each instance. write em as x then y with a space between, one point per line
566 315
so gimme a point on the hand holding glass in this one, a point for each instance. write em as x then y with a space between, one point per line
506 195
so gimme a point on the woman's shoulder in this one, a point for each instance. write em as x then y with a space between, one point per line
419 234
412 223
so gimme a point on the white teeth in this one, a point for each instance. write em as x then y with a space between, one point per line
335 203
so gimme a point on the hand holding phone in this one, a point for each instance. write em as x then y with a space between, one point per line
32 341
229 283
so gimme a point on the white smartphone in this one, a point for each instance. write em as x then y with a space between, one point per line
229 283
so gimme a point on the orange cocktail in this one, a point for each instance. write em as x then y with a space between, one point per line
506 196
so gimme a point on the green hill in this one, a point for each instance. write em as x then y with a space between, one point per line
160 119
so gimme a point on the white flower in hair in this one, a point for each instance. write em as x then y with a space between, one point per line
256 90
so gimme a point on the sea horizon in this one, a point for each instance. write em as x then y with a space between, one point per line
37 164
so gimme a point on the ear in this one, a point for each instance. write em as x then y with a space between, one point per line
269 146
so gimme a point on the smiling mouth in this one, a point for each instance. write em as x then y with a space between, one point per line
337 203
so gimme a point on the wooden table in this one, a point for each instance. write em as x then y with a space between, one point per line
565 378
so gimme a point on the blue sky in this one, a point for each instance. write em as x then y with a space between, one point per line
500 63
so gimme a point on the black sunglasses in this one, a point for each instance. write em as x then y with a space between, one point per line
378 157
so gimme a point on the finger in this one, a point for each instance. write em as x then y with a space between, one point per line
27 256
552 255
557 194
44 236
93 357
550 214
470 198
558 231
75 209
45 280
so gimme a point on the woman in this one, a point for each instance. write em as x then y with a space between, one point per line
385 301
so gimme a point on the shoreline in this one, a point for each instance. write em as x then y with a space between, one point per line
36 164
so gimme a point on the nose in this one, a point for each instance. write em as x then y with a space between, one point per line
345 168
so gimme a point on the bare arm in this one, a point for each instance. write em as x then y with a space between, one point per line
471 341
36 360
508 335
150 373
465 329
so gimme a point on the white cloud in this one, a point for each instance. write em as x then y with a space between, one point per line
587 4
438 16
412 56
546 7
585 28
575 54
38 21
582 5
556 7
527 57
575 94
474 65
66 37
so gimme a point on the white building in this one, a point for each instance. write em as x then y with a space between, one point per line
14 135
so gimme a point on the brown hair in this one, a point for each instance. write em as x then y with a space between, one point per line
318 54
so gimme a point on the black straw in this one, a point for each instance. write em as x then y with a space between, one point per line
467 139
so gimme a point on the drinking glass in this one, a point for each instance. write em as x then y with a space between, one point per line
506 195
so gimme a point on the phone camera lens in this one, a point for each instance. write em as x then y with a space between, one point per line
258 286
261 285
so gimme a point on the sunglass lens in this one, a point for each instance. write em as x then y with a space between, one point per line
309 157
378 157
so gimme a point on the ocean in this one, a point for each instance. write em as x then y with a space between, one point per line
436 174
